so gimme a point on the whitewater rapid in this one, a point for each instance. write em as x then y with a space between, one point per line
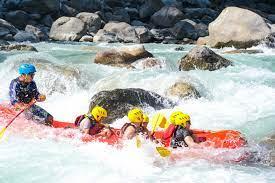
238 97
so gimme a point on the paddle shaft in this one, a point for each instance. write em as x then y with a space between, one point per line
19 114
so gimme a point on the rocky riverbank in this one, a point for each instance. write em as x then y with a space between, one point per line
140 21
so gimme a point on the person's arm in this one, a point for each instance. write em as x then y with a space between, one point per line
129 133
13 92
39 97
85 126
191 143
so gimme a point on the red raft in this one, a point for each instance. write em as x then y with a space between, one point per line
218 139
230 139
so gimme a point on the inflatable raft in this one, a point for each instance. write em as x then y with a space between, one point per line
230 139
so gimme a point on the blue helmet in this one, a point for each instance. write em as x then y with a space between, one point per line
26 69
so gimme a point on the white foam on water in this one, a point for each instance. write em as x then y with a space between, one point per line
239 97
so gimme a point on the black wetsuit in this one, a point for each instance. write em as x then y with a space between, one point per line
179 136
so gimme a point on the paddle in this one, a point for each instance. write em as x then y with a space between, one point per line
9 123
159 120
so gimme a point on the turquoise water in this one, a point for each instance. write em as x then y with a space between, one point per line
239 97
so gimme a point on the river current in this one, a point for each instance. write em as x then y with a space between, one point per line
239 97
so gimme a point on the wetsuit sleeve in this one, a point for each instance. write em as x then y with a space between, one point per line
13 90
35 90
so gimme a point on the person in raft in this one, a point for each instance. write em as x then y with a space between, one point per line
91 123
138 124
179 131
23 91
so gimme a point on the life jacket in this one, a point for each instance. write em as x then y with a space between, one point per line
167 135
95 127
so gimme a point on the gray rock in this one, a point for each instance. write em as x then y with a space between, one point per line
92 20
160 34
148 63
144 35
35 16
271 18
86 38
203 58
19 47
8 37
243 51
47 20
198 3
137 23
22 36
133 13
6 28
37 32
199 13
105 36
269 41
41 7
123 55
167 17
3 42
18 18
184 29
149 8
183 90
119 15
85 5
114 3
237 27
68 11
124 32
119 101
68 29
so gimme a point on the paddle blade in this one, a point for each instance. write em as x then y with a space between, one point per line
158 120
163 152
2 132
138 142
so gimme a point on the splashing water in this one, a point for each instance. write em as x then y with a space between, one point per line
239 97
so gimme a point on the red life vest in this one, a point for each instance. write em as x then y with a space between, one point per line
167 135
95 128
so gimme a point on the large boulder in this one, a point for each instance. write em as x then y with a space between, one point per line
85 5
203 58
144 35
41 7
18 18
37 32
123 55
184 29
119 101
92 20
105 36
237 27
167 17
22 36
118 15
148 63
183 90
123 31
6 28
68 29
269 145
149 8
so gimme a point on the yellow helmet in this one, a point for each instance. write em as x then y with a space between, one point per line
145 118
182 120
98 113
174 115
135 115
